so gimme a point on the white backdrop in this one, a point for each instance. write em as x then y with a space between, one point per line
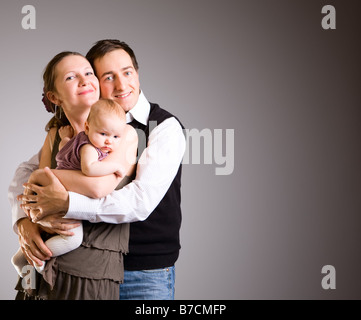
289 89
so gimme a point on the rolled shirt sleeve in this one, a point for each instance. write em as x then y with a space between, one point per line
21 176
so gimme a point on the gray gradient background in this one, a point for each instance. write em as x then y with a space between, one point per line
267 69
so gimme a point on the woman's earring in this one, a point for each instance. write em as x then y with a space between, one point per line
58 112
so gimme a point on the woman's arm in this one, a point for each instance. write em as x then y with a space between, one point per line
54 198
98 187
45 158
92 187
71 179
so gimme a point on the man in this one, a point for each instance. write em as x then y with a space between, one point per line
151 201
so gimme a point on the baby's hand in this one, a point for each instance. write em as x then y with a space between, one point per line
120 173
66 132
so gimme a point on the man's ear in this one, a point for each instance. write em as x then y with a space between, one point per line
53 97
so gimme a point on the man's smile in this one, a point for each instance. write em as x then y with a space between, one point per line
123 96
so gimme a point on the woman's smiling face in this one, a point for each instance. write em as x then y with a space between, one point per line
76 84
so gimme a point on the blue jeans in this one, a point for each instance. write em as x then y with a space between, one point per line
156 284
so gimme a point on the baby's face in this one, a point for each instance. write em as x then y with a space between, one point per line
104 132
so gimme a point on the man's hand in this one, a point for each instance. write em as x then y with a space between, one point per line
31 243
51 197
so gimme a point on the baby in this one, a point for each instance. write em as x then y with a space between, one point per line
102 134
85 152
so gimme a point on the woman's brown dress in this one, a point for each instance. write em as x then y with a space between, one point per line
93 271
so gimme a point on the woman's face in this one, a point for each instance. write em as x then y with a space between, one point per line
77 88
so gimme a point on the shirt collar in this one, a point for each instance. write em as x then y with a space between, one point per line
140 111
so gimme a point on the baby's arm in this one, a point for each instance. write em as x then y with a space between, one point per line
92 167
97 187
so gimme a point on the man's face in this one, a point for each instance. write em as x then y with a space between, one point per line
118 78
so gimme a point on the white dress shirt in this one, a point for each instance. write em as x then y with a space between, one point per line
21 176
156 169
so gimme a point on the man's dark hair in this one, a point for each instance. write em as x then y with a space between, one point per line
102 47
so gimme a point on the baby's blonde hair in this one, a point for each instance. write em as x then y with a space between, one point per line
106 106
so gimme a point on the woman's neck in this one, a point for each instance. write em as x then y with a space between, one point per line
77 121
78 125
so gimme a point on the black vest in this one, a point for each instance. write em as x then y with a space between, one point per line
154 243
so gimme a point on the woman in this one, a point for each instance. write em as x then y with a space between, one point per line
94 270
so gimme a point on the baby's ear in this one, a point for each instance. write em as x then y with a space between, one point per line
86 128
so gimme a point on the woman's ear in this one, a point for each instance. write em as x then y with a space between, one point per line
52 97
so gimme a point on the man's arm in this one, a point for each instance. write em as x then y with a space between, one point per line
51 197
21 176
156 169
31 243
